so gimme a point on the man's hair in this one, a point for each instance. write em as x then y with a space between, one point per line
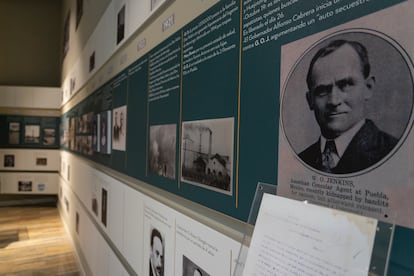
333 46
155 233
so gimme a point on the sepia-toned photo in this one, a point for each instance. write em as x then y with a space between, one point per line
119 128
120 33
32 134
157 251
162 151
25 186
355 93
207 153
14 133
192 269
49 136
9 160
41 161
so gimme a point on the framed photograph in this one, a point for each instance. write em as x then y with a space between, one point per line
77 223
104 206
14 133
192 269
207 154
49 136
9 160
162 153
41 161
119 128
120 33
25 186
105 120
32 134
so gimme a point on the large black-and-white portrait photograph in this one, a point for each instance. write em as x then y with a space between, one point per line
192 269
207 153
162 150
119 128
32 134
347 102
14 133
157 251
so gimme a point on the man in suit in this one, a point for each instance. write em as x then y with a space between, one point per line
157 254
339 83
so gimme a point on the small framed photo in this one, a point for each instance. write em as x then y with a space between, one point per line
14 133
9 160
25 186
32 134
41 161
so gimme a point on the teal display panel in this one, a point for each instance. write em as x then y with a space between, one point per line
29 132
137 119
164 67
203 107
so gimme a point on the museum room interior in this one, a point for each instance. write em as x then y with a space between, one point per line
290 155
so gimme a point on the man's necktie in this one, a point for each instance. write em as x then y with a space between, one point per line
328 162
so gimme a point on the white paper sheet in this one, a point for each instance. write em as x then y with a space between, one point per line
295 238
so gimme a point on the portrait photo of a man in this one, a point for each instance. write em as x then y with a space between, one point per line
156 262
357 95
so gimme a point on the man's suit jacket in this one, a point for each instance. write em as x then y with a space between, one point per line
366 148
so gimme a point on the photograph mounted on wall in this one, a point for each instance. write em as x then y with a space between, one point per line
162 153
120 25
207 154
105 132
25 186
9 160
49 135
119 128
14 133
32 134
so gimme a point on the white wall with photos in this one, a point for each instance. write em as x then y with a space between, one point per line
29 160
130 217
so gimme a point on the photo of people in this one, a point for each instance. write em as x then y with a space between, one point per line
191 269
14 133
207 153
105 132
346 83
32 134
156 259
119 128
162 152
41 161
9 160
25 186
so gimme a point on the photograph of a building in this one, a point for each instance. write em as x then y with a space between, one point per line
207 153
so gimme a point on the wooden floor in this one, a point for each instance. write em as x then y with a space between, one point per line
33 241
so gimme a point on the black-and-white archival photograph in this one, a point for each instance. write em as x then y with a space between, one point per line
192 269
162 151
105 122
49 136
157 251
120 30
8 160
14 133
355 93
32 134
119 128
207 153
95 132
25 186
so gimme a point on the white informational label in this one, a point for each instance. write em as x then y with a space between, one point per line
295 238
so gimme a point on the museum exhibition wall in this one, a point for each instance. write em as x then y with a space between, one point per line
173 113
